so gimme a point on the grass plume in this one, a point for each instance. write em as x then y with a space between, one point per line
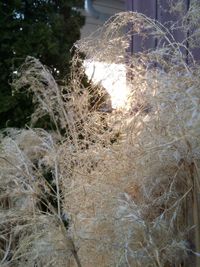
128 180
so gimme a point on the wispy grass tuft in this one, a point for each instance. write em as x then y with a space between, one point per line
127 180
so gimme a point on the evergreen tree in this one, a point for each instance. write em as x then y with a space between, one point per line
45 29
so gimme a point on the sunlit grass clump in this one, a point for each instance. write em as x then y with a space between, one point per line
123 183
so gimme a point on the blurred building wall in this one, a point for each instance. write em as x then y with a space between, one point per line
107 8
158 10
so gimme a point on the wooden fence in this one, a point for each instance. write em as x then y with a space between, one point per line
158 10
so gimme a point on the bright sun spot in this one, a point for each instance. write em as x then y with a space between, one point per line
112 77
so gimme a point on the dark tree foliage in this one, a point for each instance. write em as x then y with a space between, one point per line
45 29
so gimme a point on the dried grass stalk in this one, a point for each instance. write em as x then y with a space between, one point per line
130 178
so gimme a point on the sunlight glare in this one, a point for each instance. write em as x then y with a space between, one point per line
112 77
